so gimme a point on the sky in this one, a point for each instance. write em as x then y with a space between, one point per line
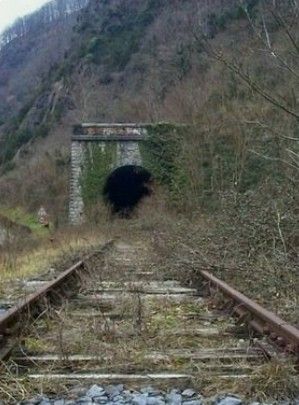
10 10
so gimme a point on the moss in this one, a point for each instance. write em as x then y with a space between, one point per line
99 161
161 155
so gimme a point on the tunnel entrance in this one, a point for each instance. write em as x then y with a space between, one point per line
125 188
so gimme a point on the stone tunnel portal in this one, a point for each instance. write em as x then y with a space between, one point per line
128 181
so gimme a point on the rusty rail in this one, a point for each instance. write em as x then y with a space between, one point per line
26 306
33 305
263 321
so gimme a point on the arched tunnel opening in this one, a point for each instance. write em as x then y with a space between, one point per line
125 187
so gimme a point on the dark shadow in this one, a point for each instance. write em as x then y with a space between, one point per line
125 188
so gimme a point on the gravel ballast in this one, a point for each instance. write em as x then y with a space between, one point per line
119 395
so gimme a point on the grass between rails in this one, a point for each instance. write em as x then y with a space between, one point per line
178 247
231 251
62 334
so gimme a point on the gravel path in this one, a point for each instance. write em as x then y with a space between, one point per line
119 395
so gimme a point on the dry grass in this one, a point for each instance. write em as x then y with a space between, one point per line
277 377
233 253
271 382
46 254
168 245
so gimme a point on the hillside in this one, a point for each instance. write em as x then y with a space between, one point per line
113 61
152 61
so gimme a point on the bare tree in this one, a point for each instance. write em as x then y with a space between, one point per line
52 11
279 50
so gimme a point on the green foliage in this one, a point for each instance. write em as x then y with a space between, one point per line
21 217
8 166
42 131
119 37
159 151
191 167
24 111
219 21
196 168
97 166
20 135
13 142
183 61
93 45
161 155
218 164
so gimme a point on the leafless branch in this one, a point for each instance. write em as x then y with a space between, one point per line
274 159
250 82
278 18
271 129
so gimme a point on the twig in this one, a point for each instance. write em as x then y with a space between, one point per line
280 232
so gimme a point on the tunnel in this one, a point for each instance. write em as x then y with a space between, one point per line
125 187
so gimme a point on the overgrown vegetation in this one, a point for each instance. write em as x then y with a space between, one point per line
98 163
21 217
174 250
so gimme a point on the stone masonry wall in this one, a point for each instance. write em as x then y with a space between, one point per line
76 207
128 153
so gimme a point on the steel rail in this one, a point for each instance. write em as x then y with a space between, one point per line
262 320
14 314
29 305
265 322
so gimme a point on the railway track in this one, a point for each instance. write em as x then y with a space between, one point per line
113 318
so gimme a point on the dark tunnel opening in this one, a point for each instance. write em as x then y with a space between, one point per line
125 188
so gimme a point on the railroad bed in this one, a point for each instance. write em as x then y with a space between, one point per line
120 320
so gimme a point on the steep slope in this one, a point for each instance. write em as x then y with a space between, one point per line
31 49
95 61
154 60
